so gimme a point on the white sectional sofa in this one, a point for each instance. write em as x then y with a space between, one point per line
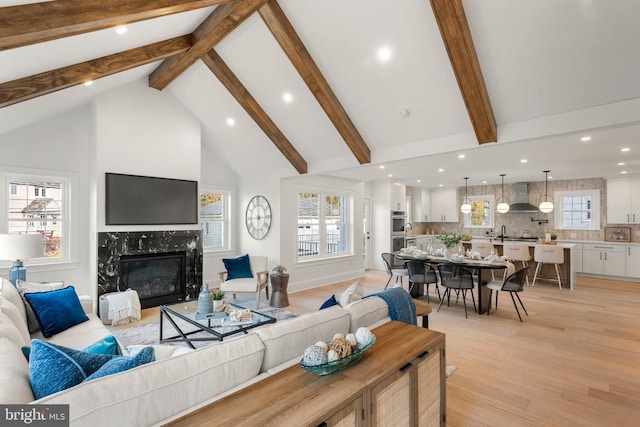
171 386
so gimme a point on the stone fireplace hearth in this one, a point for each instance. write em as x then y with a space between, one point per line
114 245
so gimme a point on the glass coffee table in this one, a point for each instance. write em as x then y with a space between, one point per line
186 321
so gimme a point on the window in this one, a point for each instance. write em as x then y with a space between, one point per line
214 220
39 214
323 225
482 212
577 210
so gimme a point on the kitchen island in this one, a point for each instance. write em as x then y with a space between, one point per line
567 270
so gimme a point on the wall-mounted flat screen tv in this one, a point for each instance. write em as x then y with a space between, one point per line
146 200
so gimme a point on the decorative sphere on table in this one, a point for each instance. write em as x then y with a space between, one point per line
363 336
332 356
314 356
340 346
323 345
352 340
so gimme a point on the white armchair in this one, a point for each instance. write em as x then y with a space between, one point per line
259 281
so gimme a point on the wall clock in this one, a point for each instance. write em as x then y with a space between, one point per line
258 217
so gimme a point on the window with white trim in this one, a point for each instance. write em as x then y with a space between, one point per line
214 220
577 209
27 210
323 225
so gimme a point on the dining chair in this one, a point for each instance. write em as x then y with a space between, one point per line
548 254
421 273
518 252
392 270
459 279
484 249
512 284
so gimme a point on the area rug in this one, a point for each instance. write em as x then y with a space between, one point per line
450 369
149 333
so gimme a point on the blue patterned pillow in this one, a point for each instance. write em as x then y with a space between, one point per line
238 268
53 368
56 310
107 345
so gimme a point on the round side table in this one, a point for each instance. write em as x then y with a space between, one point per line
279 296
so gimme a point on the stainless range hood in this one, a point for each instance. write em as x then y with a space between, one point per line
522 199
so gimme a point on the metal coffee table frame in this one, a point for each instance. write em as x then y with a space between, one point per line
212 325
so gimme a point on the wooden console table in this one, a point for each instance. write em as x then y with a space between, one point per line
399 381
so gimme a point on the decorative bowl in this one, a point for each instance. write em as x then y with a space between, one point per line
340 364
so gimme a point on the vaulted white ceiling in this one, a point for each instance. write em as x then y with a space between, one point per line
554 70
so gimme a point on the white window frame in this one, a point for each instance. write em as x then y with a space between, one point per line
322 253
68 251
492 214
559 208
226 221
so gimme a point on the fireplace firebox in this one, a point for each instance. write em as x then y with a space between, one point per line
159 278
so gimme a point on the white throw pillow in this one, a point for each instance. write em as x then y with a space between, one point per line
31 287
351 294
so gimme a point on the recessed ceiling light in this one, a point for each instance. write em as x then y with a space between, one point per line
585 138
524 161
621 164
88 83
625 149
461 156
549 177
439 185
484 182
287 97
418 180
381 166
230 121
440 170
121 29
390 176
384 54
623 172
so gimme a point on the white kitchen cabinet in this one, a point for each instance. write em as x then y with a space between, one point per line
623 201
398 195
604 259
421 205
444 205
633 261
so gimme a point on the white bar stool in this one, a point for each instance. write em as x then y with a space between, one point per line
517 252
548 254
484 249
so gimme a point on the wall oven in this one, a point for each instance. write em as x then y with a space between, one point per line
397 243
398 220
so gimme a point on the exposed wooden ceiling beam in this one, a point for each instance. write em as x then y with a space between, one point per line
462 54
283 31
44 83
222 21
251 106
38 22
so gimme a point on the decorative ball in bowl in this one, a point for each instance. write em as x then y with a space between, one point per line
343 351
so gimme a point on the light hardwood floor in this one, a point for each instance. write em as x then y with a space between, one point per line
574 361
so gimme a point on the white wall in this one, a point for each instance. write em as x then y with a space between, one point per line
59 145
143 131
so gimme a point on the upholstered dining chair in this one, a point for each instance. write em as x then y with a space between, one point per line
518 252
245 274
512 284
422 274
392 270
460 280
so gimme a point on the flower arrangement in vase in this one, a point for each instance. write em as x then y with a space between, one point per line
279 269
450 239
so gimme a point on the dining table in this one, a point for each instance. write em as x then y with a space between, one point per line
481 266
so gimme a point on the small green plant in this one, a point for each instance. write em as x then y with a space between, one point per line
217 296
279 269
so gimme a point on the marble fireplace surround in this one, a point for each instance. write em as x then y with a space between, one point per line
112 245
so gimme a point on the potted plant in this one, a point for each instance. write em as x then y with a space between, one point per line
279 269
217 297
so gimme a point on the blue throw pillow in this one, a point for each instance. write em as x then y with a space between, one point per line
56 310
53 368
329 303
238 268
107 345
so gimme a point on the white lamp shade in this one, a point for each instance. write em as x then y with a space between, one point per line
20 246
465 208
502 207
546 207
